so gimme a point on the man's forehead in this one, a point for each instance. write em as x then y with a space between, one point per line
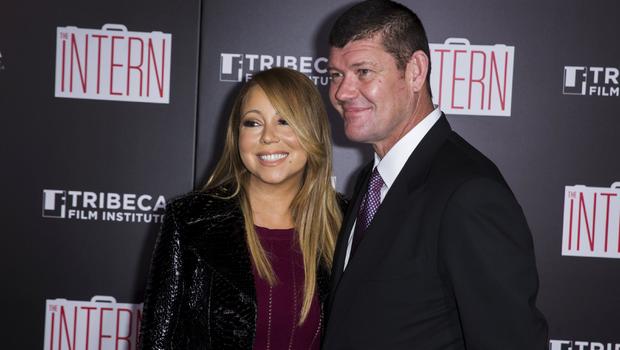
373 42
355 53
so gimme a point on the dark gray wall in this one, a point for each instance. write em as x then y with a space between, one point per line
84 145
549 141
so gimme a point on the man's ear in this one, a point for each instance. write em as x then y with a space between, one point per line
416 70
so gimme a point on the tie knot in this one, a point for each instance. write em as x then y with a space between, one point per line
376 182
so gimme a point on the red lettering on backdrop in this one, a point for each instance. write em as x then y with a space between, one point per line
502 94
101 335
118 322
479 81
88 309
570 226
63 320
608 195
454 77
441 55
64 49
112 65
84 74
136 67
99 37
582 205
151 53
52 331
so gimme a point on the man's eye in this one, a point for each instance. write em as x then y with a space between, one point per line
249 123
335 75
363 72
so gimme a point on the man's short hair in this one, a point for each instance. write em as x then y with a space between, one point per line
400 28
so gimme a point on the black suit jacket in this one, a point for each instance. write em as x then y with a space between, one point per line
447 262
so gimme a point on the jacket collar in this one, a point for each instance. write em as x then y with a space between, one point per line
216 227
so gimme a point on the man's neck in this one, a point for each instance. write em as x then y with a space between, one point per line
383 147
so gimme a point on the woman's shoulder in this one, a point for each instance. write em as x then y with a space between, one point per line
194 205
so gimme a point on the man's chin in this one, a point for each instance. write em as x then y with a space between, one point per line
356 136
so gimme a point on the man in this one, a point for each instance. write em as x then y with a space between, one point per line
434 251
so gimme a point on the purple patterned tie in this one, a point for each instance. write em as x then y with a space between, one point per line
368 208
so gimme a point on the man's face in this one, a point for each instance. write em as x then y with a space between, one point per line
371 94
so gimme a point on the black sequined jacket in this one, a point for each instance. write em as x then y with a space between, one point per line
200 293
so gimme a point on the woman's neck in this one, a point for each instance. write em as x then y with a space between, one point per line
271 205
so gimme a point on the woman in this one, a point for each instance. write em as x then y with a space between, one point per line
243 264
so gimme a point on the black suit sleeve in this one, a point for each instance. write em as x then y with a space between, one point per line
164 288
488 256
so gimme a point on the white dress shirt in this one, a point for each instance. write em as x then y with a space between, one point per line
392 163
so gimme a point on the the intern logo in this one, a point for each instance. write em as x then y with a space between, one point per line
471 79
100 323
113 63
591 81
591 221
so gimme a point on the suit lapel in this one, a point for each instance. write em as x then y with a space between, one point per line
347 224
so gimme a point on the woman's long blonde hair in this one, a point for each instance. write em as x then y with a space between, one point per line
315 209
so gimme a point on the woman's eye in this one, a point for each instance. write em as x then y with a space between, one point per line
250 123
282 122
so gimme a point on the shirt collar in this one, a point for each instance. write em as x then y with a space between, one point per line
392 163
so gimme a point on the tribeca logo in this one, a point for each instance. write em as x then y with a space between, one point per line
236 67
581 345
591 81
591 221
472 79
84 205
113 64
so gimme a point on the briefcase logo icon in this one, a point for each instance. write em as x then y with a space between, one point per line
113 64
591 225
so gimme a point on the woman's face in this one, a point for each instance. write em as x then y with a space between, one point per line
268 146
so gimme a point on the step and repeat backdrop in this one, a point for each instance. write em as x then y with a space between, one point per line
111 109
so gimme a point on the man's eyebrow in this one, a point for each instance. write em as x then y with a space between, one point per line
363 63
355 65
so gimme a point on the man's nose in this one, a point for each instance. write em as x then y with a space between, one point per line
347 89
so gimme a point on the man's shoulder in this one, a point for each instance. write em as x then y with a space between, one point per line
457 158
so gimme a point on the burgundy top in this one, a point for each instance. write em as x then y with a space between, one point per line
279 306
